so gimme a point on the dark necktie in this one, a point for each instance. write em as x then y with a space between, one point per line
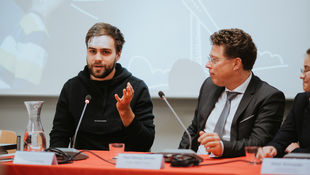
219 127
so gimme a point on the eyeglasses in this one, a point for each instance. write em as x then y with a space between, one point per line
304 71
214 60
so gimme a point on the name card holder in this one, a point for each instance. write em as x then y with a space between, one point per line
140 161
35 158
285 166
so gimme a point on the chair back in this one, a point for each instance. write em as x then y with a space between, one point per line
8 137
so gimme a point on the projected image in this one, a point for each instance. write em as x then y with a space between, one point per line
201 25
167 42
22 53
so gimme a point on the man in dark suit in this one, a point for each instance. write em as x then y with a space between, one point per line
296 125
235 108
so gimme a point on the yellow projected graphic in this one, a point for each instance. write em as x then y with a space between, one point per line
32 23
24 60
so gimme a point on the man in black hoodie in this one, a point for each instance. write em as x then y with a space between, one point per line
120 110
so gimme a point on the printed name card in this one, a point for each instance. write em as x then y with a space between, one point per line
35 158
140 161
285 166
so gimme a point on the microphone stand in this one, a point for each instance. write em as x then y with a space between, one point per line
78 126
162 96
72 151
194 158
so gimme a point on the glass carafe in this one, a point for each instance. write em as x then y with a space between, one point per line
34 138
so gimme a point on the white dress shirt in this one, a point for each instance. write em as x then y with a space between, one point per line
217 110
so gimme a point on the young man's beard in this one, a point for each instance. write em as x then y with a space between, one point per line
107 71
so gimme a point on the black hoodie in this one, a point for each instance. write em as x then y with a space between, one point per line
101 123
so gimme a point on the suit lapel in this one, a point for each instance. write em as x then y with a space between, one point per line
247 97
209 104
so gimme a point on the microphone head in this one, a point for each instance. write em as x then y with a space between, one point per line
161 94
87 98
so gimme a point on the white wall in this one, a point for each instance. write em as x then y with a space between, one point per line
13 116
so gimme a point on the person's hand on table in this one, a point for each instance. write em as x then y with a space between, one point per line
292 147
212 143
267 152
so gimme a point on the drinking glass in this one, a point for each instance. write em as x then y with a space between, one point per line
115 149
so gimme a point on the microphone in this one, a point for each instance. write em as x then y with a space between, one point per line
72 152
163 97
190 158
87 100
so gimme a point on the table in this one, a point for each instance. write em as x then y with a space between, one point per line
6 146
96 166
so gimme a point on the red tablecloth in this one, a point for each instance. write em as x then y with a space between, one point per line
96 166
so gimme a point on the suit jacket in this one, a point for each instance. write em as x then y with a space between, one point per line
296 127
257 119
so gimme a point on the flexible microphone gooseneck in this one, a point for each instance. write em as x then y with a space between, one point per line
72 153
162 96
87 100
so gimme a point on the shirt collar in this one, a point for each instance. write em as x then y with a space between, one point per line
241 88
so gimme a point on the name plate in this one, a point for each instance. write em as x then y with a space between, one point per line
35 158
285 166
140 161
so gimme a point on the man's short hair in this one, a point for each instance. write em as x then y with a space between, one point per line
237 43
100 29
308 51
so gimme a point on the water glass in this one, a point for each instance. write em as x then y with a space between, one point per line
115 149
252 154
